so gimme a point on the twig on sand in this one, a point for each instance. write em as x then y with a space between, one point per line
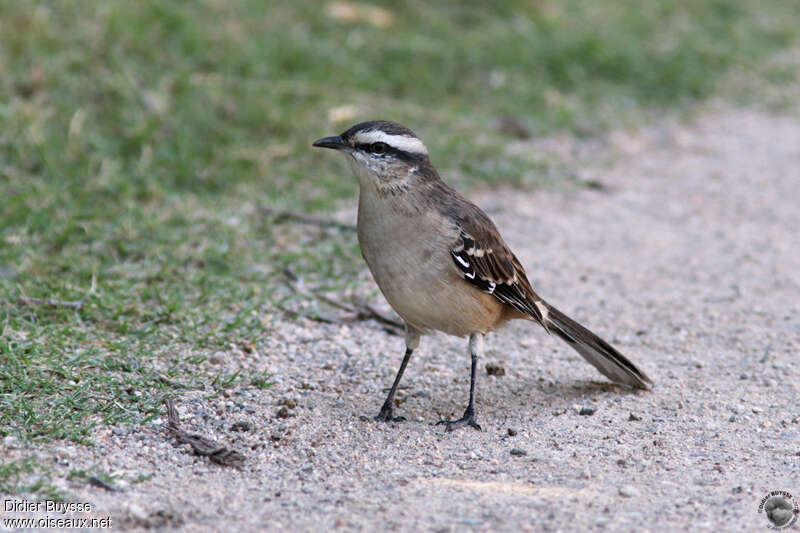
367 312
304 218
97 482
315 318
216 452
358 310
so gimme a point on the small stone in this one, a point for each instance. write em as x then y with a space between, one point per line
288 402
63 453
283 412
10 442
512 432
634 417
587 411
137 512
495 369
737 490
732 418
757 410
628 491
242 425
516 452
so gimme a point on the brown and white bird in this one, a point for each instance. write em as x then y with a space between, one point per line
440 261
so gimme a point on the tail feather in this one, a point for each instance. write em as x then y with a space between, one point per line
595 350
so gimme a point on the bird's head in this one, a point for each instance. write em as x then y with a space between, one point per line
382 153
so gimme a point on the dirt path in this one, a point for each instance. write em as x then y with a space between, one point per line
689 260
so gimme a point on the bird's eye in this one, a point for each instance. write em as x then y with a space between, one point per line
377 148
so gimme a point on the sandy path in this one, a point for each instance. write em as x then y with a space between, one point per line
689 261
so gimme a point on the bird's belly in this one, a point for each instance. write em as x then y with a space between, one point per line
426 291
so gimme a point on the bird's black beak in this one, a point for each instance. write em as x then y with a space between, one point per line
335 143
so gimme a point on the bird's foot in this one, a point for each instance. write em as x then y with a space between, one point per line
467 420
387 415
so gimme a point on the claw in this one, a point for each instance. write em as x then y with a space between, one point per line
467 420
387 415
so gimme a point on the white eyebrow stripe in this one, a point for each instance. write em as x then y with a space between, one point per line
401 142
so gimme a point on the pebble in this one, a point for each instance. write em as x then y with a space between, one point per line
288 402
495 369
634 417
587 411
10 442
757 410
518 452
137 511
283 412
242 425
628 491
512 432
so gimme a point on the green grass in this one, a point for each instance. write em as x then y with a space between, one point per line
27 477
139 142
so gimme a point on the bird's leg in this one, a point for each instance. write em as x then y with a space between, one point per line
475 350
412 341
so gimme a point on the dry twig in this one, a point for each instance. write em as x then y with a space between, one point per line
304 218
359 310
216 452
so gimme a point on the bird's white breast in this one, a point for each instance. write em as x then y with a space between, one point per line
408 254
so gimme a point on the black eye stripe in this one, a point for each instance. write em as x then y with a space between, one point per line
367 147
413 158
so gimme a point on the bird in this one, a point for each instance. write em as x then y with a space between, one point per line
441 263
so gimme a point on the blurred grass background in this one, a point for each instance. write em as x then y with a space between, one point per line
139 142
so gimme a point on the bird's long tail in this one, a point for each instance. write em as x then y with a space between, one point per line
596 351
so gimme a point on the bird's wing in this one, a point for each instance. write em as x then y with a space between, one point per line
485 261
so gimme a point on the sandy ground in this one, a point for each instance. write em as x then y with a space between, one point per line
687 258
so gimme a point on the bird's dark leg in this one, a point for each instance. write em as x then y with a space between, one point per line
475 350
387 412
